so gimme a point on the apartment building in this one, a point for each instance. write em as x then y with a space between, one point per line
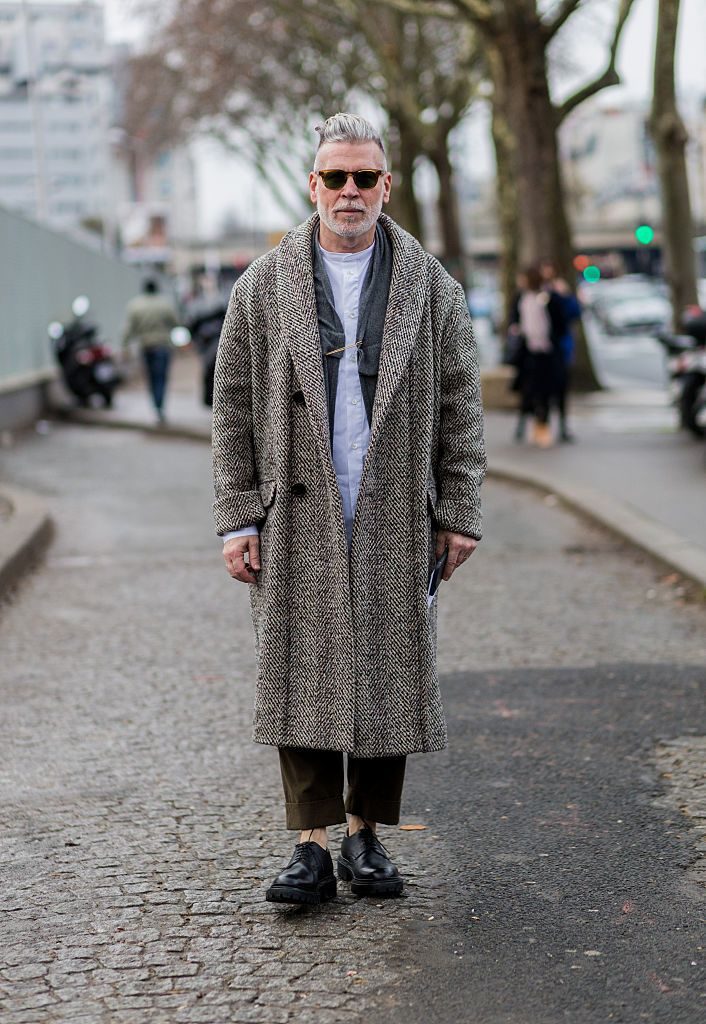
55 104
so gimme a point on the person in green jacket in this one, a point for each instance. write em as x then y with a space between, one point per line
150 320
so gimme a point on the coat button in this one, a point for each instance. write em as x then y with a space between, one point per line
298 397
299 489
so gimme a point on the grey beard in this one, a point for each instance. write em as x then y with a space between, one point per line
350 230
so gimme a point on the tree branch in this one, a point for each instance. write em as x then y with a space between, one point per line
607 78
564 11
477 11
425 8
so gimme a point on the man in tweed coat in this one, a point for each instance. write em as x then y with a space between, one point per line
348 455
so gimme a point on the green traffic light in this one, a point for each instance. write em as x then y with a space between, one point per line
592 274
644 234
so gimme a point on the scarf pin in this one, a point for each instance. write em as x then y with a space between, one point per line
354 344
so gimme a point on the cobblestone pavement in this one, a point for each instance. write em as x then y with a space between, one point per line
139 825
681 763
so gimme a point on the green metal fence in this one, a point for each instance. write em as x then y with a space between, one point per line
41 272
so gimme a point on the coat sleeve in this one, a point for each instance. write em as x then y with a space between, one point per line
461 460
237 499
129 329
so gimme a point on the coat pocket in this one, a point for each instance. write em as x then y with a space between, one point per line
267 489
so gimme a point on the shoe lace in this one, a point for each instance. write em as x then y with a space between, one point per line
371 841
303 852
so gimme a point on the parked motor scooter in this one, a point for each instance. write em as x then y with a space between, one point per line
87 364
686 363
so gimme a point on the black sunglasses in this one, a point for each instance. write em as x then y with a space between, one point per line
364 179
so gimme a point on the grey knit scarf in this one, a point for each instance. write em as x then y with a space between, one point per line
371 320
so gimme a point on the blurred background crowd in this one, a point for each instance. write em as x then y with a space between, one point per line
170 142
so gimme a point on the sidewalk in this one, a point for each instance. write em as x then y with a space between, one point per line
630 469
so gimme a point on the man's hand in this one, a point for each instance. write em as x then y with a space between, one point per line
460 548
234 552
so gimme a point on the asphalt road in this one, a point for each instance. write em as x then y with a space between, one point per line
567 899
553 879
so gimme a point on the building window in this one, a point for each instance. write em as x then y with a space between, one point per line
16 154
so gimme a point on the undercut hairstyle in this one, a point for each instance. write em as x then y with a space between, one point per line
349 128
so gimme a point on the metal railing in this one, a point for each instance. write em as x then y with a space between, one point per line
41 272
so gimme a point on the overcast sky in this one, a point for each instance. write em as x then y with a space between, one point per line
226 184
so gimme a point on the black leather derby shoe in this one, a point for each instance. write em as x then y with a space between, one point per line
308 878
366 864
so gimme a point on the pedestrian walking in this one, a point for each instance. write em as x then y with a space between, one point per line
567 344
348 456
537 322
150 319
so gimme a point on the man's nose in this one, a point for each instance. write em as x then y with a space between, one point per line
350 189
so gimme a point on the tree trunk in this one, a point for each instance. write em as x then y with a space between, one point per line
670 137
453 251
403 206
545 233
505 189
531 118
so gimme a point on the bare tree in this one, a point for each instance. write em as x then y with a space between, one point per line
230 70
258 73
430 71
671 137
518 34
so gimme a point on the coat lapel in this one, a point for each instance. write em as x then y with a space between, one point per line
297 309
297 304
405 308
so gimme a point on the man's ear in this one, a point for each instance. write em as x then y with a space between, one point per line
313 184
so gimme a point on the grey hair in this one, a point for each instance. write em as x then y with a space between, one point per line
343 127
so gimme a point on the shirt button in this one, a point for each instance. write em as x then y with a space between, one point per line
354 401
353 313
354 445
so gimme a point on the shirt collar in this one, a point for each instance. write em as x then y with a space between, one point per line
347 257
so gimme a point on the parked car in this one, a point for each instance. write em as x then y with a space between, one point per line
633 304
485 302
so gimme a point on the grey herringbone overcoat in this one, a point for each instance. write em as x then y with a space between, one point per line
346 645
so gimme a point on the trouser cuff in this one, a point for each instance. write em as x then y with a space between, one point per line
315 814
384 812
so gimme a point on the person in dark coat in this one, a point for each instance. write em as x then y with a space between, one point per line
538 322
567 345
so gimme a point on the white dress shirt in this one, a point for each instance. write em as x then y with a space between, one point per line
351 432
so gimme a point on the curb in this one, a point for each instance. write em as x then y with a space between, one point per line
168 430
628 523
23 538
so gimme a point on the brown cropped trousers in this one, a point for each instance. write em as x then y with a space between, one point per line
313 787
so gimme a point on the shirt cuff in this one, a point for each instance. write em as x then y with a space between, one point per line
244 531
